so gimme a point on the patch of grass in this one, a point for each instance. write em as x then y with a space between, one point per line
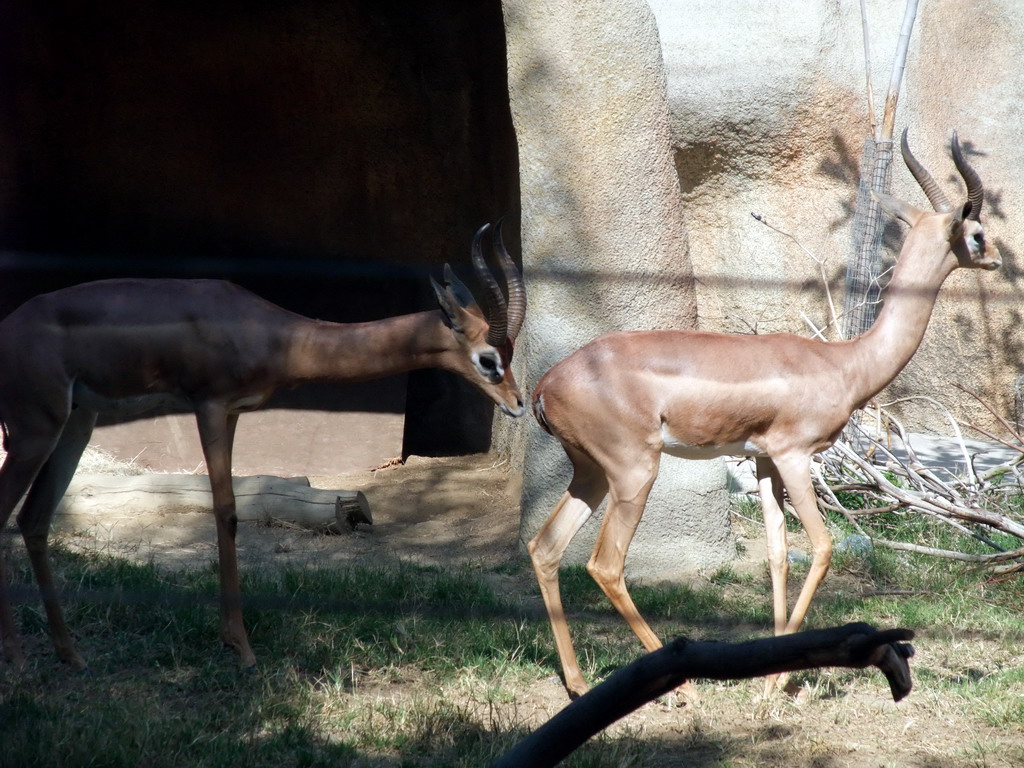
159 693
727 575
412 666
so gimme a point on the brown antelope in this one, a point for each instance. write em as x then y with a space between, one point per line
625 398
215 348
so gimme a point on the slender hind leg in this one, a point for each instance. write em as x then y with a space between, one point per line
9 639
31 437
629 492
8 631
586 492
36 515
770 490
607 565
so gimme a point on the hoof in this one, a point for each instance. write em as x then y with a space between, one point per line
76 663
576 691
687 695
779 683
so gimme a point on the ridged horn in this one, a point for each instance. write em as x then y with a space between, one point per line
936 196
514 283
497 309
975 189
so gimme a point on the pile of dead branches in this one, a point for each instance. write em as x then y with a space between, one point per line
874 472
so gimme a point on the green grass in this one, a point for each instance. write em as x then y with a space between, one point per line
413 666
160 691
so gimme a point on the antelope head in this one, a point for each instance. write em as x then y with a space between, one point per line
485 342
962 226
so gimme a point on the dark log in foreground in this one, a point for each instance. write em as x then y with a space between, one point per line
854 645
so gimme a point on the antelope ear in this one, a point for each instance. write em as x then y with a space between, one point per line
955 228
967 210
458 289
449 306
905 212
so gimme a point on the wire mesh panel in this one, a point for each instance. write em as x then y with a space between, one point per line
863 273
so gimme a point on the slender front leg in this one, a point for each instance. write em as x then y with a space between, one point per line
796 474
216 433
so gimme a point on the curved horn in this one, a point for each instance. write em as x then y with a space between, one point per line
514 283
936 196
975 189
497 310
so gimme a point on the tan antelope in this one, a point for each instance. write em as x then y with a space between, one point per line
215 348
625 398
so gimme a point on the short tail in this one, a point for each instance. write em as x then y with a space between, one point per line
538 413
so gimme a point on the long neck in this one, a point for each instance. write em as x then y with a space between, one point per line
881 353
321 351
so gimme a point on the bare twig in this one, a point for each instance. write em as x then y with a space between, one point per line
968 502
834 322
867 66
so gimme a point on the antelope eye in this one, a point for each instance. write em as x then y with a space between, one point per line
490 367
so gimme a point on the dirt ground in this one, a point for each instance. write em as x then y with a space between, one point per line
450 511
443 511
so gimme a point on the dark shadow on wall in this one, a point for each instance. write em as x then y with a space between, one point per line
328 156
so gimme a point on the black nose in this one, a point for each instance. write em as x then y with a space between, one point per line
519 409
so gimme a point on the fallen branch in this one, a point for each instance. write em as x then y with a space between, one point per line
854 645
260 498
969 502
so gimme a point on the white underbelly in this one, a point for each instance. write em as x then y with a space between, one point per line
675 447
